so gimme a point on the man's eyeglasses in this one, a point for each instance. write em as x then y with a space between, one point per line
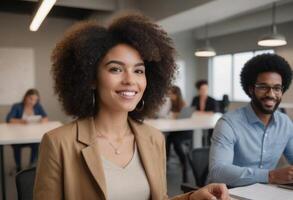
277 89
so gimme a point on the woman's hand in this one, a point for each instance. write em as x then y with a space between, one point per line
17 121
211 192
44 120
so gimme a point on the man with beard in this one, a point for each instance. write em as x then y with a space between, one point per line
247 143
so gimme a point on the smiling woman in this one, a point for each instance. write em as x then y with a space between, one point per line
110 78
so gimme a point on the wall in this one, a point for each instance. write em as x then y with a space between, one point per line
15 33
166 8
185 51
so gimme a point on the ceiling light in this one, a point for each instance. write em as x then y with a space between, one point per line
273 39
41 13
207 50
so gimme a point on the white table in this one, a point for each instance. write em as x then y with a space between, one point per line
21 134
198 121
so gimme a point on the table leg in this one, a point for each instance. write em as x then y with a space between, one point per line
2 173
197 139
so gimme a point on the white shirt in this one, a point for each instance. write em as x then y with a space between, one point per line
128 183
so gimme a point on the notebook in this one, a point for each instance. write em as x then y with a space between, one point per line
33 118
186 112
261 192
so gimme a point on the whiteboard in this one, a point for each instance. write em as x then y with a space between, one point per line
17 73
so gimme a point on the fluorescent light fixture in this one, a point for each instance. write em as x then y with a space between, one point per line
42 12
207 50
273 39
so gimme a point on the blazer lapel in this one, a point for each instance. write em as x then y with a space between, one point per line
91 155
148 157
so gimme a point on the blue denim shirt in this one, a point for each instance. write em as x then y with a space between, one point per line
17 111
243 150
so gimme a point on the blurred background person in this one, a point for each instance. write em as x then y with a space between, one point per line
27 111
178 138
204 104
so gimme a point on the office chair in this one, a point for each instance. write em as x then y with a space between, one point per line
25 183
224 104
199 162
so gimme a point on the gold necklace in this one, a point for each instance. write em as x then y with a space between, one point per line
116 149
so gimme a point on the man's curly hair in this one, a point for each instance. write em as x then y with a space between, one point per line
265 63
77 56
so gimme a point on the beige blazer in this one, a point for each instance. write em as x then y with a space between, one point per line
70 165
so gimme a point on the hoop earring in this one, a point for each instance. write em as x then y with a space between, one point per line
94 99
139 109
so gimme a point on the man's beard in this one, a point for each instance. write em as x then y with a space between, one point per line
257 103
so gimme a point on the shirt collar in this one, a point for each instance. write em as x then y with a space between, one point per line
253 118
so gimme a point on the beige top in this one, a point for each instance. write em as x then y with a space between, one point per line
128 183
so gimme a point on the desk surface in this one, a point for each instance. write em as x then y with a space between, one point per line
25 133
198 121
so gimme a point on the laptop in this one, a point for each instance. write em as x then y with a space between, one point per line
186 112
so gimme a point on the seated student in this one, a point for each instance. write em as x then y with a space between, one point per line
29 110
206 104
177 138
203 102
110 79
248 142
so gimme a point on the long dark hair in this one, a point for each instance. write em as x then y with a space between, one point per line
30 92
178 103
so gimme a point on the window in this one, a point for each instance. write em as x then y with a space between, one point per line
180 77
222 68
225 74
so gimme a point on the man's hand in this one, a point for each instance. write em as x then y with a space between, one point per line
211 192
281 176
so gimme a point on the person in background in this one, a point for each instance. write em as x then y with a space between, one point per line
27 111
109 79
248 142
204 104
179 137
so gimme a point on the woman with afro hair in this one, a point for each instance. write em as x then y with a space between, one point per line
109 79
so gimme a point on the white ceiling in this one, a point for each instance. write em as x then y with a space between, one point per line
105 5
211 12
223 16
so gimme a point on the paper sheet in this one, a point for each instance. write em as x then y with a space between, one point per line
261 192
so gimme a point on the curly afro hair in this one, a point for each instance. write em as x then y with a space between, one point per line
77 56
265 63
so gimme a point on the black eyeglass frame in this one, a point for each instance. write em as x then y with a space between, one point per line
277 89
